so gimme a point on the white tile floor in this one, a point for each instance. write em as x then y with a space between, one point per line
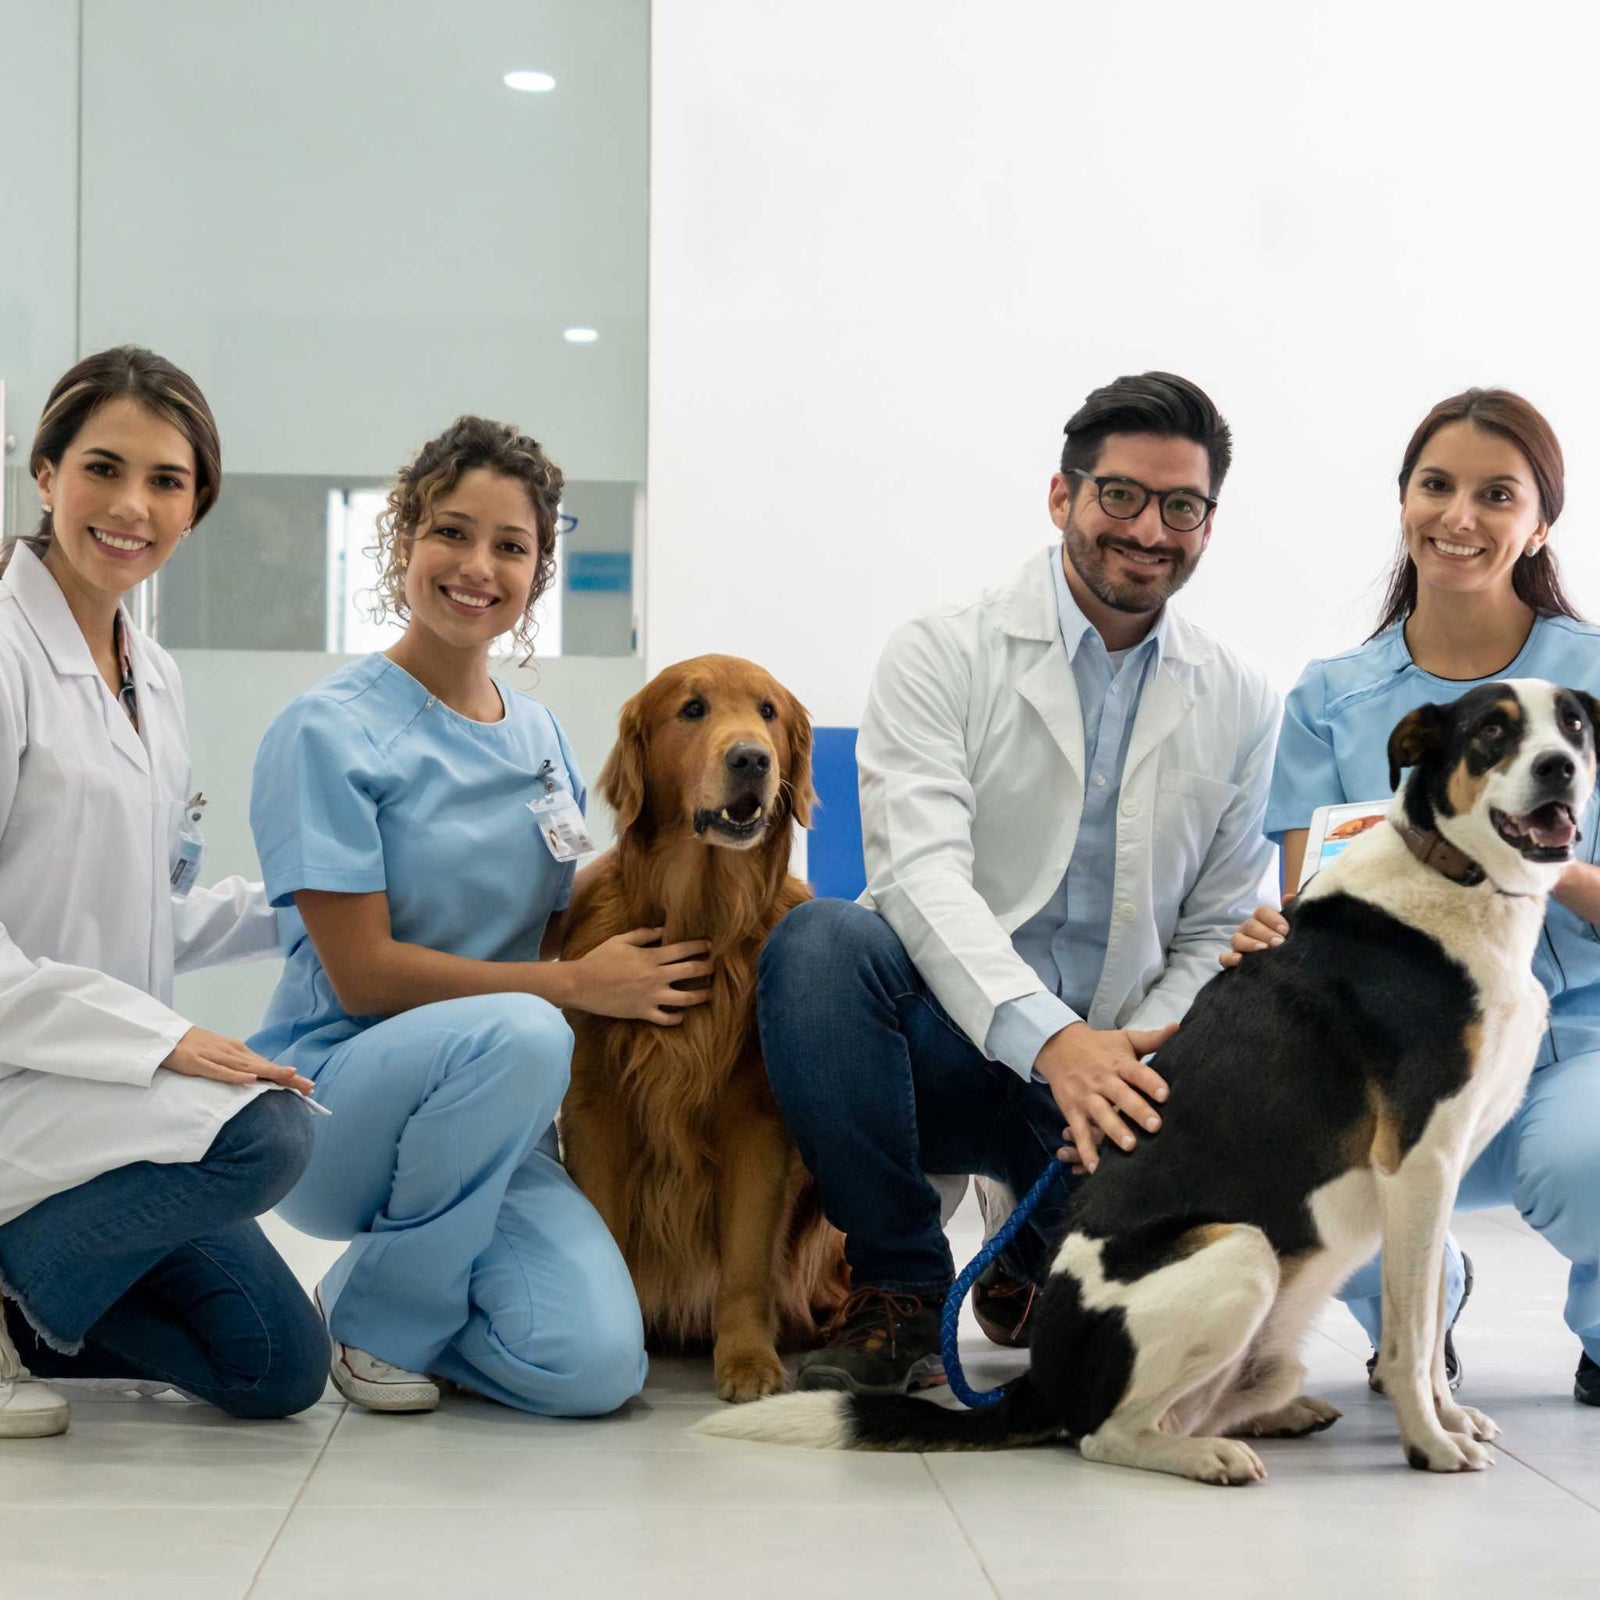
162 1498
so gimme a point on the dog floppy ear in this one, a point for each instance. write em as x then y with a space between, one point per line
622 777
1418 734
802 796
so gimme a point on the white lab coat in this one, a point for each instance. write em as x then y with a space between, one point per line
971 755
90 934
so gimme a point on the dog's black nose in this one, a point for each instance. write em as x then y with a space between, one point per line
749 760
1555 767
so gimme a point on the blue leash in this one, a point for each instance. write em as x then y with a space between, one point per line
948 1348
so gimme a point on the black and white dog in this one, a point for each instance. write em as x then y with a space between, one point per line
1326 1097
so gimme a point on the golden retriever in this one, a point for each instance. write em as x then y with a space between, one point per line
672 1132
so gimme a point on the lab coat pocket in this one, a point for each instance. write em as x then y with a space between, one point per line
1189 809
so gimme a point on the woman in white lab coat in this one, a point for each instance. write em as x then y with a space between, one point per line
136 1151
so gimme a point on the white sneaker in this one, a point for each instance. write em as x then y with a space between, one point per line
28 1408
377 1385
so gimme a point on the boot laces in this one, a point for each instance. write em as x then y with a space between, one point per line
870 1319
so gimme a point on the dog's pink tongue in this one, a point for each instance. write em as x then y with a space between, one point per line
1551 826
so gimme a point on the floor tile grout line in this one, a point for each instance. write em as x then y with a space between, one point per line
1522 1461
272 1543
966 1537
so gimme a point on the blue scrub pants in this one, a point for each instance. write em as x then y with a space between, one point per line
1545 1162
473 1255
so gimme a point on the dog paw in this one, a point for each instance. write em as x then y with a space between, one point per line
1447 1452
750 1376
1223 1461
1465 1420
1293 1421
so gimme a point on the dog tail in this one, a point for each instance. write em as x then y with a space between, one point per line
828 1420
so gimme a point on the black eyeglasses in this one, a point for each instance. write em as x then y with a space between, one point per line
1182 510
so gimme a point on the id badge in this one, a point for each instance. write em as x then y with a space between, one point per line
191 851
561 824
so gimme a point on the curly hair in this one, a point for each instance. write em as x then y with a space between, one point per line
467 444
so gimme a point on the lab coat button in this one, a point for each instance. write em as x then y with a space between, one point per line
1125 911
1130 808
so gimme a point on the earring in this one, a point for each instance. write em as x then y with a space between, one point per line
49 511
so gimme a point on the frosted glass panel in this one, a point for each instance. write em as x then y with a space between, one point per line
342 221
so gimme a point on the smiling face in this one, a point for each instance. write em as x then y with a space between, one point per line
1503 773
1470 510
1134 565
472 563
121 497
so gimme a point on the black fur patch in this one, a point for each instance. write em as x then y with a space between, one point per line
1082 1359
1292 1040
900 1422
1130 1255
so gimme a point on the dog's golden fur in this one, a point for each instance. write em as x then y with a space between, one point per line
672 1132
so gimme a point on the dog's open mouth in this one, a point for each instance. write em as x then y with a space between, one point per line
1543 835
738 821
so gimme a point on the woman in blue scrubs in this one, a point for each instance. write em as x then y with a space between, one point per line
393 810
1475 596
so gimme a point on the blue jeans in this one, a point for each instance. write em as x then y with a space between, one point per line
472 1253
879 1087
158 1271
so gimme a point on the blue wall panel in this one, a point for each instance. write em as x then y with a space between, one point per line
833 850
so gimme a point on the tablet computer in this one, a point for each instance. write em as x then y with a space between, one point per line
1332 829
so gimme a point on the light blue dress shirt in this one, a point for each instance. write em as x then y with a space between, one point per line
1065 940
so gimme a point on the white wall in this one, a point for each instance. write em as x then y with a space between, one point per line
894 242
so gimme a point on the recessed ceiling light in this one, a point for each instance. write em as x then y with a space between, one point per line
581 335
530 82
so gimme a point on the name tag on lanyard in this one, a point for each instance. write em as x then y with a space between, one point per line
561 823
191 851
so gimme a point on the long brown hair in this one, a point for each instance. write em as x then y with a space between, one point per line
1535 579
127 372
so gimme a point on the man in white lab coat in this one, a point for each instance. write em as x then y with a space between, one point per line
1062 793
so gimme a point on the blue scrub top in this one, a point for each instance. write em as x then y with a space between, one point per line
1333 747
369 783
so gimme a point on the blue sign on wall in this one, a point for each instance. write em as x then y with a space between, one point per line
599 571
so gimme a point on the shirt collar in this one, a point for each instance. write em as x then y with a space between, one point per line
48 614
1075 627
45 607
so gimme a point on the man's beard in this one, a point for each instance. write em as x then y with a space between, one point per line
1090 562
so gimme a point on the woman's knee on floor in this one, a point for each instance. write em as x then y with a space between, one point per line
282 1372
585 1364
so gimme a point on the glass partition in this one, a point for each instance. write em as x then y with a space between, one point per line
353 222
